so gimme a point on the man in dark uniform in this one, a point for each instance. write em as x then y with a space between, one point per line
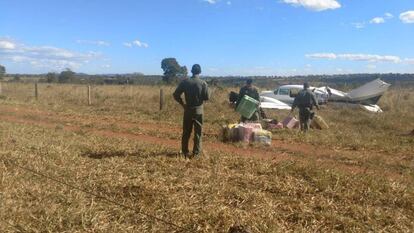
305 100
196 92
251 91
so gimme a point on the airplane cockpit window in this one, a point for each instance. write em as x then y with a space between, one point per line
283 92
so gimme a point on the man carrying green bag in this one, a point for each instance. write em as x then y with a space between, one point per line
249 102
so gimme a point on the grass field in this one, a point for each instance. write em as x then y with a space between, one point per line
114 167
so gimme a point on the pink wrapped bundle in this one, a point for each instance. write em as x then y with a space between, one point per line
246 131
290 122
276 126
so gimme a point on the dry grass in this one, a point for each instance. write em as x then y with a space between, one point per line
206 195
353 129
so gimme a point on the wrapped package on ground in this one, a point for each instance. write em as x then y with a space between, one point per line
245 131
253 125
269 123
319 123
234 133
290 122
275 126
279 125
262 136
230 132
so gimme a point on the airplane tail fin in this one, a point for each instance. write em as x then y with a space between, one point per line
370 93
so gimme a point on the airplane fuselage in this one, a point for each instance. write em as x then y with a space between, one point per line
366 96
283 93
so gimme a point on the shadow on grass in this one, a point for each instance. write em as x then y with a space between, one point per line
111 154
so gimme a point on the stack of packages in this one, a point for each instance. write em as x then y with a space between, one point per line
247 133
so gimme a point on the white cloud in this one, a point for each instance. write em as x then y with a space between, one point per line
136 43
369 57
377 20
330 56
356 57
315 5
5 44
211 1
44 56
409 61
93 42
140 44
388 15
407 17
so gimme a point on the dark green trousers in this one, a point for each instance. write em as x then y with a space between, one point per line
192 120
305 118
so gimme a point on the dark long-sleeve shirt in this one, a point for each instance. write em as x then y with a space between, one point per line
305 99
249 91
195 92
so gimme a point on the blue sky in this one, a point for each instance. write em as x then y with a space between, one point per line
227 37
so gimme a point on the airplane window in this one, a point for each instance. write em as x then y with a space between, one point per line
283 91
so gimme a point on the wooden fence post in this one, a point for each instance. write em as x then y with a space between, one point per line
89 95
161 99
36 91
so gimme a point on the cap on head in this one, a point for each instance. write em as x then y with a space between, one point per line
306 85
249 81
196 69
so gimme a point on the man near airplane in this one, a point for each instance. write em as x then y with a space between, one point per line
250 91
305 100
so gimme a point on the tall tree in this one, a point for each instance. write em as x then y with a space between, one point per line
66 76
2 71
51 77
172 70
184 72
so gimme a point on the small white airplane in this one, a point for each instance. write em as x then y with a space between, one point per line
366 96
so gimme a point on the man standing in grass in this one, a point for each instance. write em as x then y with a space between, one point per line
195 92
250 91
305 101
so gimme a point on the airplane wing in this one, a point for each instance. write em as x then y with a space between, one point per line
371 108
369 90
271 103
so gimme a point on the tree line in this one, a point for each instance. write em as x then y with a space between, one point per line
173 72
